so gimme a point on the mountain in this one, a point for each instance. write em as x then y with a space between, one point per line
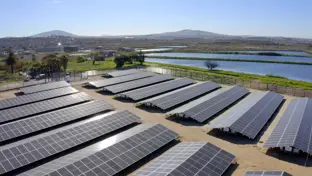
183 34
54 33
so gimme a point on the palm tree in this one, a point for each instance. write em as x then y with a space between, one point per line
11 61
64 61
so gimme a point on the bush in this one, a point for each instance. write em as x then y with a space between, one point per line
80 59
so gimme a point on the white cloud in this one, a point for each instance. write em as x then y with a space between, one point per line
56 2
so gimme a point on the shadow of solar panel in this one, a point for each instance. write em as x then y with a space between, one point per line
295 127
35 97
22 153
250 115
121 73
209 108
190 158
41 107
180 96
40 122
109 156
150 91
266 173
121 79
44 87
137 83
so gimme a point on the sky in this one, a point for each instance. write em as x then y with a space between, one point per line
288 18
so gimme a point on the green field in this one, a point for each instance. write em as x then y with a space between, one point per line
270 79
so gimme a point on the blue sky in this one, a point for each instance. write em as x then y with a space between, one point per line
290 18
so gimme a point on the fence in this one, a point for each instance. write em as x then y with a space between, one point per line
196 75
253 84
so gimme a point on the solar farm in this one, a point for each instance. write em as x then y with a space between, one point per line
141 123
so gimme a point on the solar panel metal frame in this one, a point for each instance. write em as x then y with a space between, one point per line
250 115
19 112
157 89
180 96
190 158
25 152
266 173
294 129
35 97
16 129
122 87
121 79
121 73
44 87
110 156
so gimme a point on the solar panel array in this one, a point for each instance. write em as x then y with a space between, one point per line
150 91
212 106
190 158
137 83
294 129
266 173
110 156
44 87
121 73
33 124
173 99
250 115
44 106
122 79
35 97
23 153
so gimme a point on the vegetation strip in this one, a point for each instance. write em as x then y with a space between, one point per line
233 60
269 79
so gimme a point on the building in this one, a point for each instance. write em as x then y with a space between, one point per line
48 49
108 53
126 49
69 49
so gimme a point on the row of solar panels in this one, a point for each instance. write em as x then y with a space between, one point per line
43 122
41 136
202 101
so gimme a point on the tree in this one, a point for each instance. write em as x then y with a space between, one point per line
11 61
141 57
33 57
94 55
120 61
211 65
64 61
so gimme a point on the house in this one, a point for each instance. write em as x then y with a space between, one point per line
71 49
107 53
126 49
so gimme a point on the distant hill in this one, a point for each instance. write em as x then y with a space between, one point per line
54 33
183 34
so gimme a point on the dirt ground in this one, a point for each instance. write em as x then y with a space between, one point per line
249 154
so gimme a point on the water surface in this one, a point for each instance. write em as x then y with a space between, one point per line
297 72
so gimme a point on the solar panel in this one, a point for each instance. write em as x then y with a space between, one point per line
122 79
109 156
266 173
35 97
294 129
33 124
180 96
213 104
157 89
41 107
137 83
190 158
250 115
44 87
121 73
28 151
